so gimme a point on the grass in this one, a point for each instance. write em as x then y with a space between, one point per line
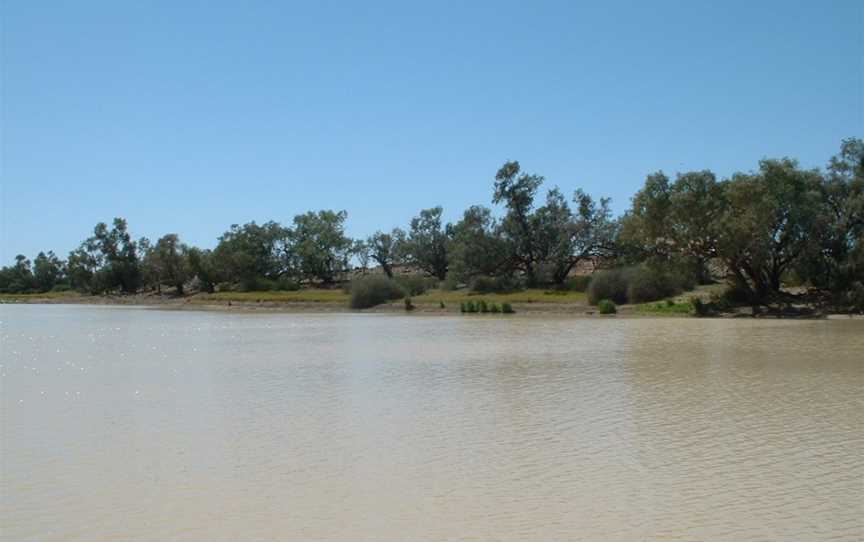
524 296
312 295
46 295
664 308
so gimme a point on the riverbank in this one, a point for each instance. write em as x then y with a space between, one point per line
433 302
323 300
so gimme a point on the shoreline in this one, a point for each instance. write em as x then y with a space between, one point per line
204 302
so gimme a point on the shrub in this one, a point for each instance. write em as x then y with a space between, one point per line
483 306
576 284
442 305
606 306
462 307
494 308
650 283
736 294
62 287
610 285
415 284
470 306
698 307
856 297
286 285
506 308
450 283
408 305
488 285
373 290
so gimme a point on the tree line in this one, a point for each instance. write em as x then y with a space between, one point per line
759 230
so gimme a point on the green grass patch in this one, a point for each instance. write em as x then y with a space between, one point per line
664 308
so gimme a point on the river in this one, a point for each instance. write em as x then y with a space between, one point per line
126 423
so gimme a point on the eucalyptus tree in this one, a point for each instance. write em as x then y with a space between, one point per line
426 243
387 249
320 246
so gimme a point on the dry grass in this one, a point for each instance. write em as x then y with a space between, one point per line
300 296
525 296
69 294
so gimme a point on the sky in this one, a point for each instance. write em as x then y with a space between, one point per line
187 117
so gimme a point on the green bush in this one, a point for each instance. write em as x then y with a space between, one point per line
442 305
576 284
650 283
62 287
488 285
699 307
470 306
606 306
373 290
286 285
494 308
450 283
408 305
415 284
483 306
610 284
462 307
506 308
856 297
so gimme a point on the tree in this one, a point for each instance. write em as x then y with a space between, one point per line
120 255
426 244
320 246
836 259
566 239
768 222
476 245
85 268
167 263
386 249
18 278
203 266
517 191
251 251
47 271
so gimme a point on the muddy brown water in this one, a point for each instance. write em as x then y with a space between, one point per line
126 423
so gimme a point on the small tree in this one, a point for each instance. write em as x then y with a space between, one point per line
426 245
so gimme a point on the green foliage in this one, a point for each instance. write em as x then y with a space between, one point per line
253 250
494 308
606 306
648 283
608 284
476 246
471 306
373 290
501 284
482 306
442 305
387 249
576 284
699 307
166 262
506 308
426 244
408 305
319 247
462 307
416 284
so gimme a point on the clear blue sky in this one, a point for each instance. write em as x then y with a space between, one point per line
190 116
